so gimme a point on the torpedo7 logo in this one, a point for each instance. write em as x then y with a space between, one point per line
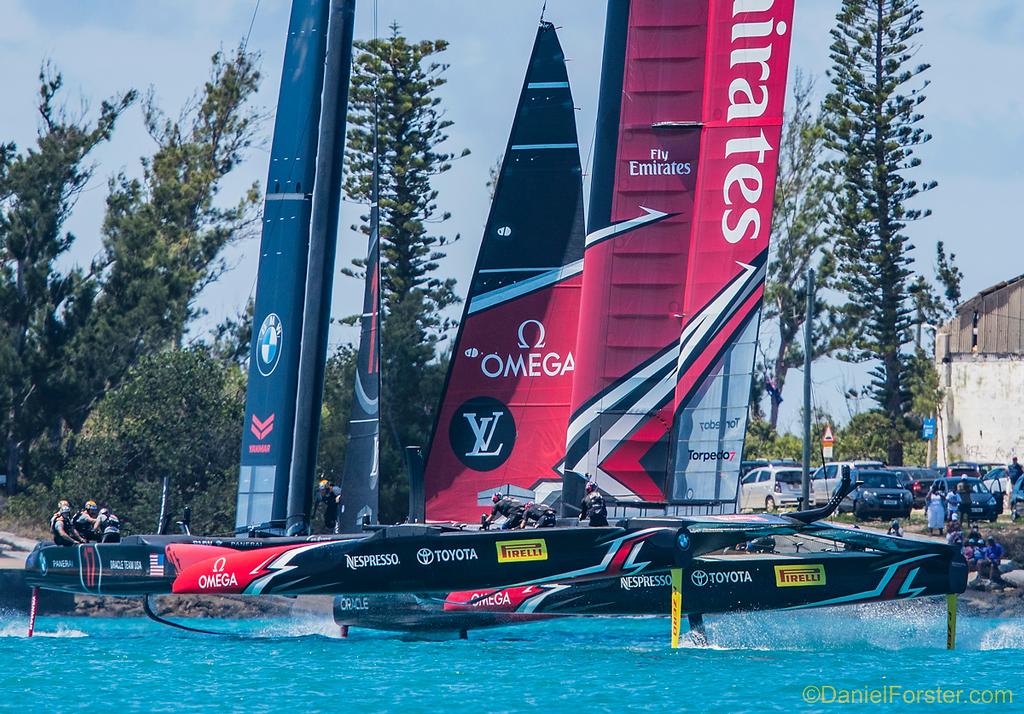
712 455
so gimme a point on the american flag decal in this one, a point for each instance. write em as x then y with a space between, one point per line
156 565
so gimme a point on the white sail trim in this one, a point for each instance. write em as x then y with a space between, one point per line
510 292
650 215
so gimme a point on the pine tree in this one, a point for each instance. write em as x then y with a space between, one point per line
395 82
800 239
873 125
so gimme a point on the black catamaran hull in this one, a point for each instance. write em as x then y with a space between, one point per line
396 559
510 576
716 584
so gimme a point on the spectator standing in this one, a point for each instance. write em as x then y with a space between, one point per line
953 505
936 510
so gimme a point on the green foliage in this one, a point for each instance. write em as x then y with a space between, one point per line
872 123
339 377
924 386
163 235
394 87
232 338
800 239
67 338
868 435
764 442
41 309
179 413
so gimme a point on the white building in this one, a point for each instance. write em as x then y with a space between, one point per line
980 359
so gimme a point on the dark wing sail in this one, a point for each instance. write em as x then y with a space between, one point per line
501 422
362 455
277 318
673 280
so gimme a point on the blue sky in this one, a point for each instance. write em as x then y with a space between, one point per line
974 111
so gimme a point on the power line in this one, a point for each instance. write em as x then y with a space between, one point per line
251 23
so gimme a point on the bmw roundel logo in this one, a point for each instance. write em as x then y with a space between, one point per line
268 344
683 539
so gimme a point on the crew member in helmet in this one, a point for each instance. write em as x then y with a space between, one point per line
540 515
62 528
329 495
593 506
87 520
109 527
511 508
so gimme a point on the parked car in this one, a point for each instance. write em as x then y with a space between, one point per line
916 479
748 466
983 503
970 468
881 495
1017 499
770 487
997 480
826 478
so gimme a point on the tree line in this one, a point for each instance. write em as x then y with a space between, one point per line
102 392
848 189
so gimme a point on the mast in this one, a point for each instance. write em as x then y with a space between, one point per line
673 277
323 244
267 437
503 412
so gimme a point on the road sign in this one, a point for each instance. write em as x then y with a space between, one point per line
928 428
827 442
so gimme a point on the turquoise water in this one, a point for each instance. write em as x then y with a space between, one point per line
757 662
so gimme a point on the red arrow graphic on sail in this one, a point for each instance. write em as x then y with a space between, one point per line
261 429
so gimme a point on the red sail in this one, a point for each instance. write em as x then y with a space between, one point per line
748 58
501 424
660 246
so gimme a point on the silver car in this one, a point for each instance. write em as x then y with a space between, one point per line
769 487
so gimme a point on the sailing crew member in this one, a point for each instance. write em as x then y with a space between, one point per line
61 527
109 527
541 515
511 508
87 520
593 506
329 495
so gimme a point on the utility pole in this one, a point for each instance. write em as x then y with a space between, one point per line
808 328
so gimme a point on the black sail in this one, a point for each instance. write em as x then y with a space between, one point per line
362 454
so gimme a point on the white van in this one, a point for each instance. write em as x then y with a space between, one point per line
827 478
771 486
